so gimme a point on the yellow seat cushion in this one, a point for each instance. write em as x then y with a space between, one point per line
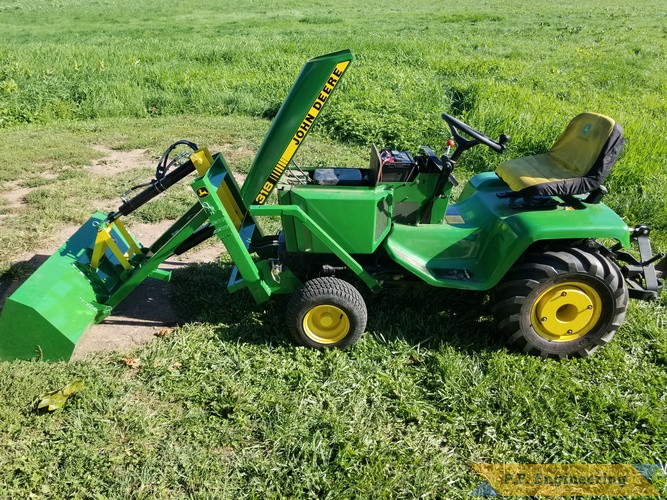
573 154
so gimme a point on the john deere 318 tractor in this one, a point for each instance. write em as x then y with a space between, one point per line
528 233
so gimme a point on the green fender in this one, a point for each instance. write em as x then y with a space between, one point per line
482 237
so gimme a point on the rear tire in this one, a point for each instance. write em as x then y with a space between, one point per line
562 303
327 312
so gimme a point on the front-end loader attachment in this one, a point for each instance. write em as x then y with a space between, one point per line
102 263
90 274
46 316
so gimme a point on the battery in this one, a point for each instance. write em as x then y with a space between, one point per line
396 166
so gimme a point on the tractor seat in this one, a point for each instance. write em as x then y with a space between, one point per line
578 162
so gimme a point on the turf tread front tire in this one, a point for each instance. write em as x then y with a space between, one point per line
332 292
514 297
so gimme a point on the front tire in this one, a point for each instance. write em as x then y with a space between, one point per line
562 303
327 312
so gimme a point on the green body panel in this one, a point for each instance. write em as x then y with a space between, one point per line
294 212
482 236
467 245
411 199
298 113
358 219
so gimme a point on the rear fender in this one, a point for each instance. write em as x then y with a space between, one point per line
513 236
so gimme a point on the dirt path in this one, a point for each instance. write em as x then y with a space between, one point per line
115 162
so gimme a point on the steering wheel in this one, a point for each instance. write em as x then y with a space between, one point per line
478 137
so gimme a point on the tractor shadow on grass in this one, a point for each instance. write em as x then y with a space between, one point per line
420 315
433 317
199 295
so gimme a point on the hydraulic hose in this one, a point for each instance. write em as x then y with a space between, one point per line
156 187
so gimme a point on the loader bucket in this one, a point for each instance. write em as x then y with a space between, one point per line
48 313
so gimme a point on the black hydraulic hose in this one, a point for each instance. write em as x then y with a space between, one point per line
156 187
163 166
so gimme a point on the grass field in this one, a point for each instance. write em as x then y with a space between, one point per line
226 406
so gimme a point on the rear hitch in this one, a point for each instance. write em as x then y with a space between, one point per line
643 276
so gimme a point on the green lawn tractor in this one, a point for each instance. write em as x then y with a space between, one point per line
528 233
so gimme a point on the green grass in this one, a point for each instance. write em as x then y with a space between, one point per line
226 406
504 66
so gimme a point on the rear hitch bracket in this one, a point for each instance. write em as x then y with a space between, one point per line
643 276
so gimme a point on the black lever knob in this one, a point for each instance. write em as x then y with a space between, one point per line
503 139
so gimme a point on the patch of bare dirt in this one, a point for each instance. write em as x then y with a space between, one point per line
240 177
205 252
116 162
15 196
234 152
134 322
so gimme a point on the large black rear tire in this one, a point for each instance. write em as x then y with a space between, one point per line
327 312
562 303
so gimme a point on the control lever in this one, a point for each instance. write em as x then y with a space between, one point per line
450 144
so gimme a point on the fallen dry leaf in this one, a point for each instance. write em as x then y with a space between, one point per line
132 362
56 399
162 332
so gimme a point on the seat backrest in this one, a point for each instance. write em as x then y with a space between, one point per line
589 148
582 141
578 162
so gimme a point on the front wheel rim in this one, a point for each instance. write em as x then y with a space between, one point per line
326 324
566 311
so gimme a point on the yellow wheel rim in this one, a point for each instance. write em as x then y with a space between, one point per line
566 311
326 324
